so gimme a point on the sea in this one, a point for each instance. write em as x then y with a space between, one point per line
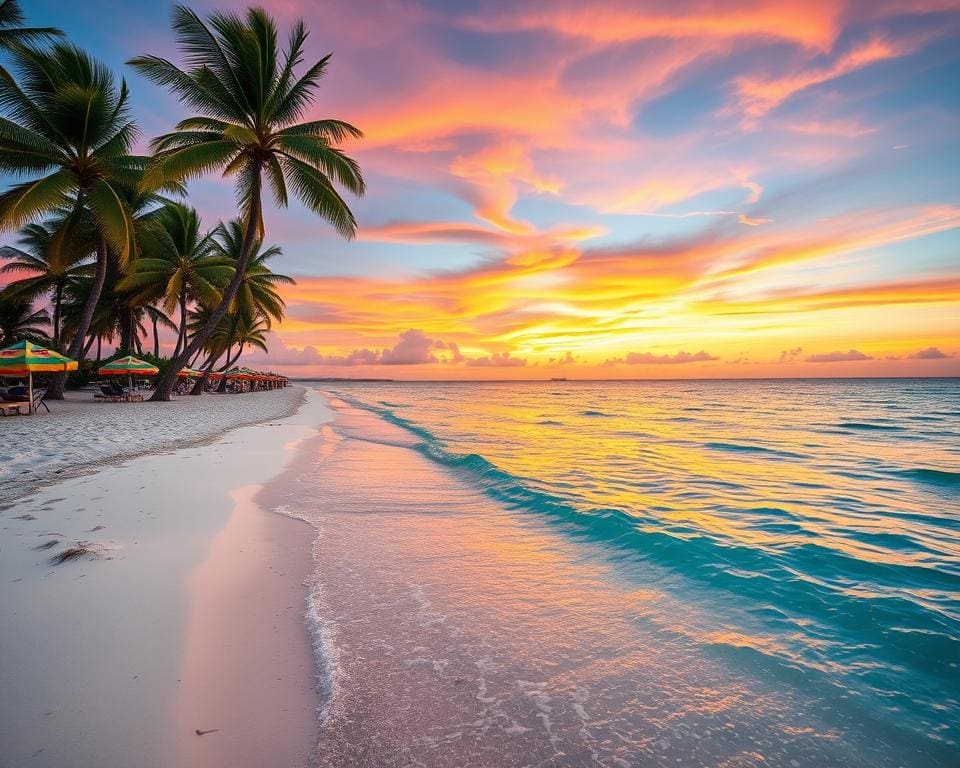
643 573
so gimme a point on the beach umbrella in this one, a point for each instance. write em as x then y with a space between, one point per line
25 357
128 365
190 372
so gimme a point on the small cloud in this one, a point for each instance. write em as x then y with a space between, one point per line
414 348
790 355
281 354
648 358
754 191
452 347
930 353
839 357
497 360
751 221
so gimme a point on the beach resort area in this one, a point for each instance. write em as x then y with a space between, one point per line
554 384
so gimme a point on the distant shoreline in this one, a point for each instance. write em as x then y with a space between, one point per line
569 380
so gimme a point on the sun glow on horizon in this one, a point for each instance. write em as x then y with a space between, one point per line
765 188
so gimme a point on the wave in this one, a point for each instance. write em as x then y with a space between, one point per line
932 476
596 413
738 448
868 426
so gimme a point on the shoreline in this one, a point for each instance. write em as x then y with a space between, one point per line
190 609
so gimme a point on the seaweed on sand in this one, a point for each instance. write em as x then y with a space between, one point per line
82 549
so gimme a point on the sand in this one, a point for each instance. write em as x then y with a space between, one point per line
81 433
190 614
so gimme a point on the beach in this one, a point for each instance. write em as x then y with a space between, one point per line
187 613
80 433
505 574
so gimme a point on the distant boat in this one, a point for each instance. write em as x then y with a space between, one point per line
558 378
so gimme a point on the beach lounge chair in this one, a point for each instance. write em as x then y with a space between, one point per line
39 398
108 394
14 395
12 409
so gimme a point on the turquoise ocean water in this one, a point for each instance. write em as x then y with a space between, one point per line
713 573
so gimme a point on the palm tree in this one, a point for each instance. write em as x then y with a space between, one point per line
177 265
51 268
19 321
68 129
13 33
239 334
248 99
257 294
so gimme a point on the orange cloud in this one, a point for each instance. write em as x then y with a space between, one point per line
810 23
758 95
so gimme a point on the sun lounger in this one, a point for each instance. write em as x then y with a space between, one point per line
13 409
39 397
109 395
117 394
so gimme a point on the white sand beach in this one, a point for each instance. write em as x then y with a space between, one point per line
187 614
80 433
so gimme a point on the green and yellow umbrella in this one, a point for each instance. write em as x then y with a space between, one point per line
128 365
25 357
191 373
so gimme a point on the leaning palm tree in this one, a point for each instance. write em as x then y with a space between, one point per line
257 294
229 339
13 33
67 127
50 269
177 265
19 321
248 100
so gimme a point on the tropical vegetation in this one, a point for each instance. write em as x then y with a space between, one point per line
108 250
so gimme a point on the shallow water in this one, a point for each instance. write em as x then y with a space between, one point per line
646 573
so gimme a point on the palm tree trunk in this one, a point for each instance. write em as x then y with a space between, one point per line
168 379
202 381
231 361
99 348
126 329
86 317
57 301
182 330
156 336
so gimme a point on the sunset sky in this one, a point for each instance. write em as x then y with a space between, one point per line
603 189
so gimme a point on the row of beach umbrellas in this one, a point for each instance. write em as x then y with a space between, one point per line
24 358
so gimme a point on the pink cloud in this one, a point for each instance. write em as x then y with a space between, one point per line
648 358
852 355
496 360
930 353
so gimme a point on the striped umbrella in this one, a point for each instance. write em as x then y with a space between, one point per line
128 365
190 372
25 357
